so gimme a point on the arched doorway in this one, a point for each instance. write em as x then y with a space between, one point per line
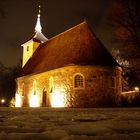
44 98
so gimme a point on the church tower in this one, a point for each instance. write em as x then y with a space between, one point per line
32 44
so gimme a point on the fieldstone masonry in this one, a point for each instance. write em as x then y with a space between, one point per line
98 89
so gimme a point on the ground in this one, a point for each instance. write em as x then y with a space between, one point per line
69 124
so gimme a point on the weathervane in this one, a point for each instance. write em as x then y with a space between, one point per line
38 27
39 9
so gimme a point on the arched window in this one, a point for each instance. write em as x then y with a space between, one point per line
23 92
51 84
78 81
34 87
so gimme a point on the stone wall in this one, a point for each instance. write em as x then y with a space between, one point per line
98 88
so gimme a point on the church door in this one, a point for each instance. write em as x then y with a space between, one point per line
44 98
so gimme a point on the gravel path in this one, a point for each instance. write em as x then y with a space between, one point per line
69 124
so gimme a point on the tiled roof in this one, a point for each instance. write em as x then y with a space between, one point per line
77 45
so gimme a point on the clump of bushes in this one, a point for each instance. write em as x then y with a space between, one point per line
132 100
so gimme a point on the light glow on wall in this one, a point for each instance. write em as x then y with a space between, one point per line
34 101
57 99
18 100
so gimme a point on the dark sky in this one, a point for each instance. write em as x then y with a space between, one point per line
18 19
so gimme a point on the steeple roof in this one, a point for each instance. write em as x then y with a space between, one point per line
78 46
38 35
38 29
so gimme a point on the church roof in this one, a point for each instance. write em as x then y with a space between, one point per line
78 46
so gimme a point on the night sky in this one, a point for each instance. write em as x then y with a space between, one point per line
18 19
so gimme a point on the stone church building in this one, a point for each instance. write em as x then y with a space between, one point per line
72 69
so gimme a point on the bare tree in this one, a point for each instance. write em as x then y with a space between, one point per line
7 81
125 65
117 55
125 18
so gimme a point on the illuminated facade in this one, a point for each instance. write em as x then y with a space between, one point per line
72 69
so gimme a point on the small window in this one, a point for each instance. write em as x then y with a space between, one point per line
78 81
27 48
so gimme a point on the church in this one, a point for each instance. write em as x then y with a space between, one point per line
72 69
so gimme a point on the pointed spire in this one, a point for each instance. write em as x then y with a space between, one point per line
38 27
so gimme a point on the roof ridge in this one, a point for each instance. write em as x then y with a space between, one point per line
84 22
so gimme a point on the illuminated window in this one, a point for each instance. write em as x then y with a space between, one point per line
23 89
51 85
27 48
78 81
34 87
